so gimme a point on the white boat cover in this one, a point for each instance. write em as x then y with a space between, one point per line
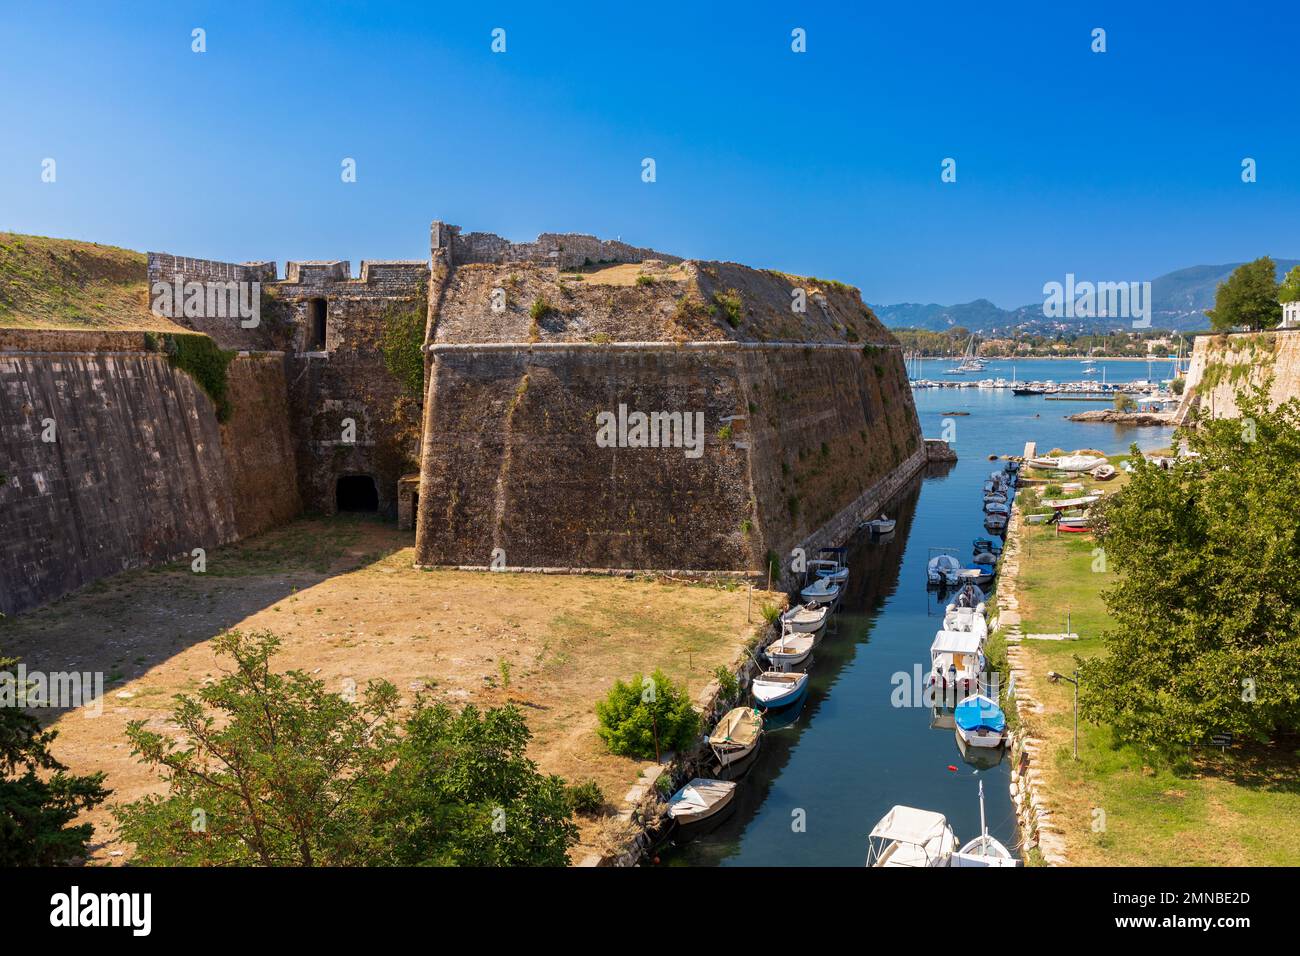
700 794
956 642
910 825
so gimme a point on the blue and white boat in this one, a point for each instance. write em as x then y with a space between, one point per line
773 689
980 722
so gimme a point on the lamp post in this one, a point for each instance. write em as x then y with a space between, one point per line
1056 678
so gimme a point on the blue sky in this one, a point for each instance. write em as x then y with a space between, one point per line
1113 166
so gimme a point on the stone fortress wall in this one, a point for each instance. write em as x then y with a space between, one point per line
806 412
1223 365
138 469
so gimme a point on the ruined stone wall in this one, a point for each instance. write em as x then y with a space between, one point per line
139 470
563 250
1222 365
226 331
350 378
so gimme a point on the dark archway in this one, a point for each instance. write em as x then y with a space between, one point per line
356 493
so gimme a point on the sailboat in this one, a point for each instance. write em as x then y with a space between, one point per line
984 850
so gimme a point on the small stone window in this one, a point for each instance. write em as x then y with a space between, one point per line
316 310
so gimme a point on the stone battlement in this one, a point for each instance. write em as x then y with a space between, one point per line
562 250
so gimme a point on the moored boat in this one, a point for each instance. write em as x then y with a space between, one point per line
906 836
984 850
806 618
821 591
774 689
1104 472
942 569
701 799
737 735
881 525
980 721
790 649
956 663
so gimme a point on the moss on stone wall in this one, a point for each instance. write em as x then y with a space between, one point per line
200 358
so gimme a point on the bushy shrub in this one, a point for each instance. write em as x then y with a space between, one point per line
632 714
586 797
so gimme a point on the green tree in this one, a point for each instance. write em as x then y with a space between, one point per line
1289 290
38 797
274 770
635 716
462 792
1206 607
1249 298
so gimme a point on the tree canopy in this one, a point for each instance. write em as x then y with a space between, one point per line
272 769
1289 290
1248 298
1206 610
38 797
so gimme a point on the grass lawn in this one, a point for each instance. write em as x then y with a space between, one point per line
1238 808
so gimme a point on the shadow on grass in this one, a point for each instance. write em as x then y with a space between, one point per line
123 626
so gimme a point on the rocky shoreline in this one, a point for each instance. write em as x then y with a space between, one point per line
1112 417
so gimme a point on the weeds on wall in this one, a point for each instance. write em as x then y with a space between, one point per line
200 358
402 343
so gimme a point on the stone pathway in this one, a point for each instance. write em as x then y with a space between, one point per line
1037 826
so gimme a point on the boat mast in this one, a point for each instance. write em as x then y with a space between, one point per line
984 829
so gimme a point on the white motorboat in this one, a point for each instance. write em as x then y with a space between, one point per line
772 689
805 618
831 571
881 525
737 735
790 649
980 722
995 522
995 497
996 508
700 800
906 836
980 574
821 591
965 619
984 850
829 564
956 663
942 569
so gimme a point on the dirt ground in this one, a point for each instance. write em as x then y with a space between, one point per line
344 598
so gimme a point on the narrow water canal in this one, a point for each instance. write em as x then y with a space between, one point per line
820 784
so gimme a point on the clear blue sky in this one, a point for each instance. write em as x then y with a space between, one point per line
1113 166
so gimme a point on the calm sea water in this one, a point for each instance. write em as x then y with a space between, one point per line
851 755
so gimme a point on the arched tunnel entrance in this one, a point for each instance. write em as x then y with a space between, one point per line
356 493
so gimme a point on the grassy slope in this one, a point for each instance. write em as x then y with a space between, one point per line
66 284
1242 808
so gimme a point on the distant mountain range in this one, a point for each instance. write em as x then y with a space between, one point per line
1179 301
